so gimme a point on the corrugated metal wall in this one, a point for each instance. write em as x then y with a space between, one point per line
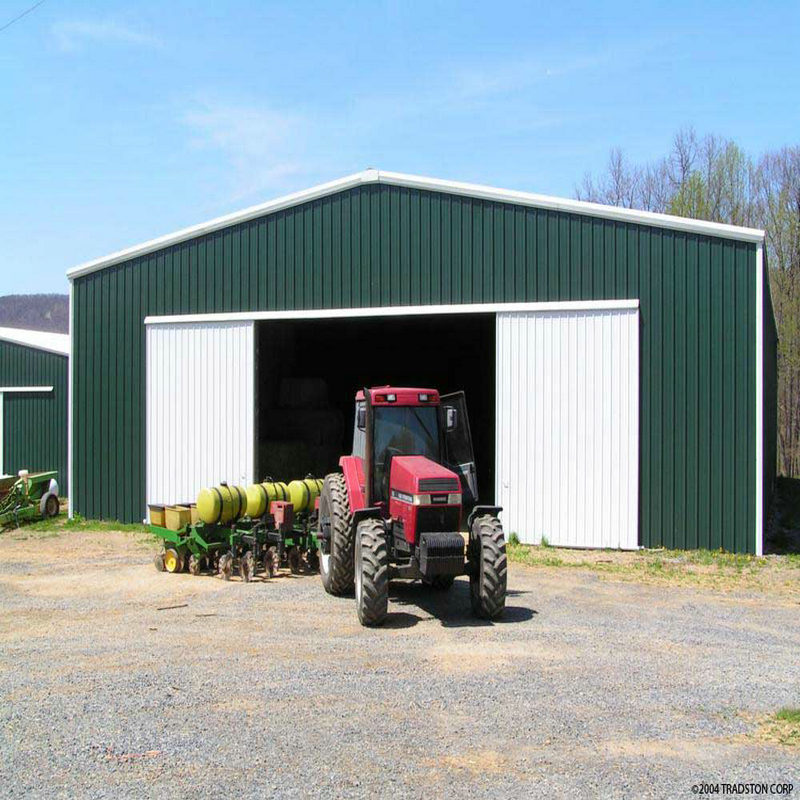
199 427
380 245
34 425
568 427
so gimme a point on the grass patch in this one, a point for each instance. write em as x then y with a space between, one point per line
789 715
707 568
782 728
56 526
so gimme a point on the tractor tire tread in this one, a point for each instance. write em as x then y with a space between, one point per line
342 549
374 566
489 578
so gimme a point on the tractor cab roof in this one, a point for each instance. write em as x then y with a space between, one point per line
400 396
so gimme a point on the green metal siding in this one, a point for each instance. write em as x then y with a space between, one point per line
35 424
380 245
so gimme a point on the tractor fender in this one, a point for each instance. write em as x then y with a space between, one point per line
353 471
479 511
366 513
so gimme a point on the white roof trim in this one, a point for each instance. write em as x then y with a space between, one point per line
18 389
57 343
398 311
429 184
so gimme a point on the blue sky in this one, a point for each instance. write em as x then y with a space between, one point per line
123 121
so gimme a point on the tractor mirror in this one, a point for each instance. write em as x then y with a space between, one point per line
451 418
361 418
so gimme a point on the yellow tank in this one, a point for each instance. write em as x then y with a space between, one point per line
260 495
304 493
221 504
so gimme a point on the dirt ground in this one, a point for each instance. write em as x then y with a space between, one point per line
593 684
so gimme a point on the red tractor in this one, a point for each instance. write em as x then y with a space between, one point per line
396 510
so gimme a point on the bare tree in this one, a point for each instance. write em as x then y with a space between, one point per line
713 178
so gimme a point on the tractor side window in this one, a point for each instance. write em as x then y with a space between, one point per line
359 430
402 431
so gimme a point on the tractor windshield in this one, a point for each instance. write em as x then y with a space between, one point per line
402 431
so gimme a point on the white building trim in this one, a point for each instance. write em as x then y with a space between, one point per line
70 368
398 311
57 343
25 389
759 532
373 176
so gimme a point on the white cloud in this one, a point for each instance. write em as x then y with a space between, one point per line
72 36
266 149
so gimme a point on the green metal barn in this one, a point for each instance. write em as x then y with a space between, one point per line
620 366
33 402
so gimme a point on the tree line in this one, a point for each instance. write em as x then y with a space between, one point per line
712 178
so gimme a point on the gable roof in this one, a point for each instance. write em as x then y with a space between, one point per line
371 176
57 343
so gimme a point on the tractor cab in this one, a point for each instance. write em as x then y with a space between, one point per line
392 422
401 501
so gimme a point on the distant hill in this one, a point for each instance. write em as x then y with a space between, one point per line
37 312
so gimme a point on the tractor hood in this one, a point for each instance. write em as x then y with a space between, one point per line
416 475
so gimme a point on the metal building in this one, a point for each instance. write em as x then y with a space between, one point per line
619 365
33 402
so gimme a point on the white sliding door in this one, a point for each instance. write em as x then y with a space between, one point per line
568 426
200 407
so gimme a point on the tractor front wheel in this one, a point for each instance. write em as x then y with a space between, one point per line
371 572
336 522
488 567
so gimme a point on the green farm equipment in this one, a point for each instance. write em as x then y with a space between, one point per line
28 496
279 537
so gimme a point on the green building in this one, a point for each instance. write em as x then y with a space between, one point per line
33 402
619 366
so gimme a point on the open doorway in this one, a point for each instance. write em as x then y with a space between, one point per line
308 372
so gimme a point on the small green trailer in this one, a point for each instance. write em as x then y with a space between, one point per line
279 538
28 496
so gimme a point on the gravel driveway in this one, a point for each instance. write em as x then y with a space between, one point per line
589 687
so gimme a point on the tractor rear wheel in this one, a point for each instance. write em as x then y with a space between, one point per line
336 566
488 567
371 572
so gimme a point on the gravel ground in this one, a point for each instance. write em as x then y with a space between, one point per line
589 687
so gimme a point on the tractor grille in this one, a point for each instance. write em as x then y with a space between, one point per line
432 520
439 485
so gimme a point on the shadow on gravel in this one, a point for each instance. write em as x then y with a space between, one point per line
451 608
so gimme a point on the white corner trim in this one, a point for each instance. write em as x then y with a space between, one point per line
428 184
396 311
70 367
2 426
759 532
25 389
